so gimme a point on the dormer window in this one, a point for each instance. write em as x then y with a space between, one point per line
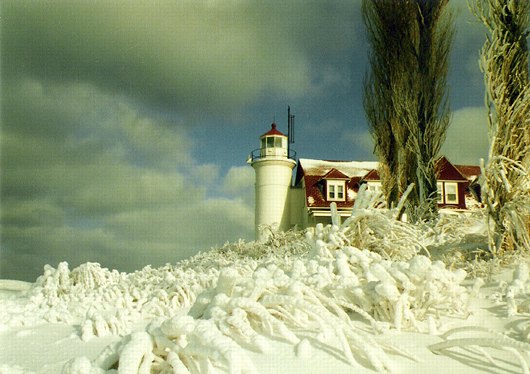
374 186
335 190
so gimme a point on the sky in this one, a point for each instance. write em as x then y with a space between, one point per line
126 124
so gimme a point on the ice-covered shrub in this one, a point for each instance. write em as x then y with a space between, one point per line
514 296
278 243
308 300
301 287
399 292
9 369
237 313
91 275
177 345
108 302
371 227
483 337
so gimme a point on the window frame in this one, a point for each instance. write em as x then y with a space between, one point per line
273 141
339 187
374 186
440 196
446 193
443 193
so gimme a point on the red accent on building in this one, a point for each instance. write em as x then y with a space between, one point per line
446 171
273 131
373 175
335 174
471 172
314 181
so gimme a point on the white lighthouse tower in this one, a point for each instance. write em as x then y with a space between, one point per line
274 167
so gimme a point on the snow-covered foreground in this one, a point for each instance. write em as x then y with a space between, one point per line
370 294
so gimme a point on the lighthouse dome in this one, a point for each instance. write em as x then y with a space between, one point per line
273 131
273 143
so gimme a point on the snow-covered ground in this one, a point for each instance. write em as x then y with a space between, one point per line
368 294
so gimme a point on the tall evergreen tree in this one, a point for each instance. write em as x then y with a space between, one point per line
405 96
504 61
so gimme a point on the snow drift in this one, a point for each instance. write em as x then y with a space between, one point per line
302 288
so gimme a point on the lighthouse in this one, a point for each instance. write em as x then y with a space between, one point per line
273 163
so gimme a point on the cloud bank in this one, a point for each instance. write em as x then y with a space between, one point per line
185 56
125 124
86 177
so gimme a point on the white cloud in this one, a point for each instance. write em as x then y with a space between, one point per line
239 183
239 179
206 175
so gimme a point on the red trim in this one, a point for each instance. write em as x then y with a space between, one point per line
335 174
446 171
272 131
373 175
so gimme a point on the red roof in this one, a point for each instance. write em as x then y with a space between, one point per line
273 131
322 167
471 172
445 170
315 192
313 173
335 174
373 175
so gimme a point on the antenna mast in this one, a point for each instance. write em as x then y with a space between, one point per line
290 129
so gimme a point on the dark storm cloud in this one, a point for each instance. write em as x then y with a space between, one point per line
186 55
90 171
110 110
95 180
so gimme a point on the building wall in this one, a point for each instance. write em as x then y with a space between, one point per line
461 191
297 209
273 181
277 201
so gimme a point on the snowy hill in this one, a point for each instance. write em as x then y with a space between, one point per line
369 294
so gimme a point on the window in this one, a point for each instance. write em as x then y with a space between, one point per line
451 193
447 192
335 190
273 142
374 187
440 192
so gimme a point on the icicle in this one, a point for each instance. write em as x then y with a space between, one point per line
335 218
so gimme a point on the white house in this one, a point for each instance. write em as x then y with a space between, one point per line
305 201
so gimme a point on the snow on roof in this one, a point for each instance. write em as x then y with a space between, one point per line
350 168
335 174
471 172
369 168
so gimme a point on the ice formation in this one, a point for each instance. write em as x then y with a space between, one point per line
516 300
204 314
305 300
